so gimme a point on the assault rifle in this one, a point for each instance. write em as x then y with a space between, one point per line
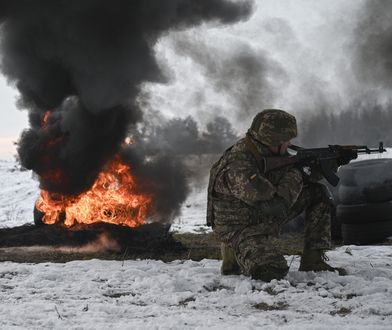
325 159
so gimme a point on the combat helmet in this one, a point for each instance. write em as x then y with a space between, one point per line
273 126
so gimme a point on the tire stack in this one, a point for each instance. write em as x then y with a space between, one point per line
365 201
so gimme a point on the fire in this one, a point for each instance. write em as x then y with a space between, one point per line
112 198
45 119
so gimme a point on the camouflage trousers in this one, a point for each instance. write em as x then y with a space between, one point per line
257 248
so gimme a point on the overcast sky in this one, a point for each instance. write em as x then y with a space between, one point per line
299 52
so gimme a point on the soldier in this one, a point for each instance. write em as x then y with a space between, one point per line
247 207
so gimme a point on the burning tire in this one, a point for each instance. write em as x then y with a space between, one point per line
365 223
38 217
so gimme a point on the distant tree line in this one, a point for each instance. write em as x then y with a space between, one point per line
359 125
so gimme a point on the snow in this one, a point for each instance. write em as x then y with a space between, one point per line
18 194
151 294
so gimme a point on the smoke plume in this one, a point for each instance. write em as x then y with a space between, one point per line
242 73
166 156
79 67
373 44
367 116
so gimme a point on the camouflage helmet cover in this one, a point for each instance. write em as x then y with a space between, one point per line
273 126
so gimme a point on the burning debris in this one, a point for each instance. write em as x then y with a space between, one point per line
111 199
79 67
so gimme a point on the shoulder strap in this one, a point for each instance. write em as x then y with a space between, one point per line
260 160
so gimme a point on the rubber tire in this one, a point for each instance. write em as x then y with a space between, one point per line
366 233
364 213
365 168
350 195
38 216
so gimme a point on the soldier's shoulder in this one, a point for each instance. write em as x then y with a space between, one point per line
239 151
239 146
236 151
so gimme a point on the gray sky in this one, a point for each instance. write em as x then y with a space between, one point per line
12 120
304 45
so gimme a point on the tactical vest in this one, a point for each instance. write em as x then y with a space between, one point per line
226 213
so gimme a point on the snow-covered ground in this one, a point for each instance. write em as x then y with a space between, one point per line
18 193
149 294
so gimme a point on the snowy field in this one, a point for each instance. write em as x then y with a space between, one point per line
149 294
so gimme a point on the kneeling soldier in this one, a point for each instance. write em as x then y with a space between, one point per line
247 207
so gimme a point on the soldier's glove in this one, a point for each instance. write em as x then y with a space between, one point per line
276 207
290 186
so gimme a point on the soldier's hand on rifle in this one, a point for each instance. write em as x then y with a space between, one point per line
290 185
287 192
276 207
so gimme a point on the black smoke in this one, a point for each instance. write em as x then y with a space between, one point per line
366 116
166 156
183 136
373 44
79 67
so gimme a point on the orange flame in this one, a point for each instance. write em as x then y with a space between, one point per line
45 119
111 199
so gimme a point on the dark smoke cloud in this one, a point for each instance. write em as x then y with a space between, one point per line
361 111
85 61
182 136
166 156
368 116
373 44
242 73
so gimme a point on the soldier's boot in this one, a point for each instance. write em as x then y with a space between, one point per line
229 262
268 273
315 260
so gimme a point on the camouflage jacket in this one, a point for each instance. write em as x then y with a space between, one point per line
239 189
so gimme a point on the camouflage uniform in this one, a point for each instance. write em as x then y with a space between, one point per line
242 202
